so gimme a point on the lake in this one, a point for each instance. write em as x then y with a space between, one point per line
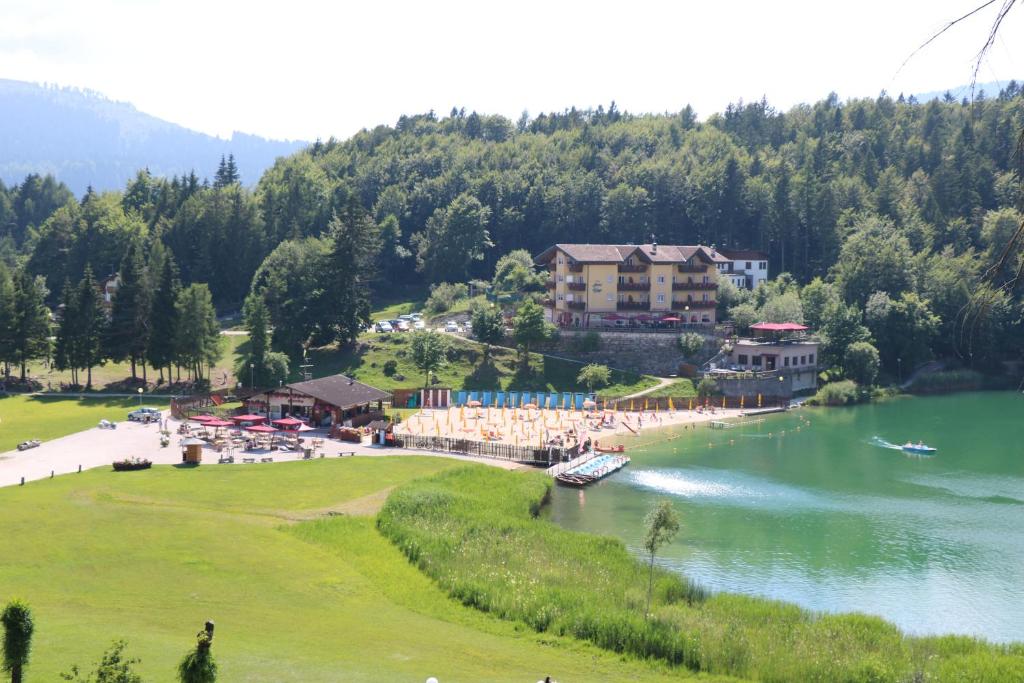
818 507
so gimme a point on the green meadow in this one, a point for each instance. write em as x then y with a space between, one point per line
286 559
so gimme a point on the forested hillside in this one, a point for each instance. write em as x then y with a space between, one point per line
85 139
873 195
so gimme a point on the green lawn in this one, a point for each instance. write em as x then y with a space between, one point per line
296 596
109 377
49 417
680 388
466 369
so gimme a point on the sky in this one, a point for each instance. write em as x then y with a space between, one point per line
307 70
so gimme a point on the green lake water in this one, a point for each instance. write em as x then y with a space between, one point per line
817 507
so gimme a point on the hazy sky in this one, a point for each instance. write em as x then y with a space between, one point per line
301 69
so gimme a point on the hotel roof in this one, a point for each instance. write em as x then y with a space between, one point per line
617 253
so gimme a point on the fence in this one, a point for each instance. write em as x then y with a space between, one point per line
686 403
187 406
485 449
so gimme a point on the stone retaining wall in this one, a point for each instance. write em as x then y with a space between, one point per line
646 353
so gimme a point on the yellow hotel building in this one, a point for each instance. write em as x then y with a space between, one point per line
617 285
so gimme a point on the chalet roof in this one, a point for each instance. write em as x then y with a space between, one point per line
617 253
744 254
340 391
778 327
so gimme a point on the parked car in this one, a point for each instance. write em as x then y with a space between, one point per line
416 316
31 443
407 317
451 326
419 325
144 414
400 325
384 326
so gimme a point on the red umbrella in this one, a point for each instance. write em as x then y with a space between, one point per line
670 319
215 422
202 418
263 429
249 418
287 422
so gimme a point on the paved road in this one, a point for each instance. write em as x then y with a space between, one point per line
100 447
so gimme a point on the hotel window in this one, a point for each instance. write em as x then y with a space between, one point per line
810 359
610 279
764 265
561 297
560 260
803 360
705 295
757 361
742 359
661 298
786 362
561 278
748 265
705 319
661 279
705 280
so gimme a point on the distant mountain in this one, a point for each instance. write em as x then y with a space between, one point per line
85 139
991 89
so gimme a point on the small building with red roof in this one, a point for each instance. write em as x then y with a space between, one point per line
785 349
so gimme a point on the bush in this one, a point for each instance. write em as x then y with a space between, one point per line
707 387
444 295
587 343
690 343
390 368
949 380
861 362
844 393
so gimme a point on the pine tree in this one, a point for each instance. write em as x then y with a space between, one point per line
163 319
64 351
128 332
31 320
7 327
355 243
198 335
231 171
92 320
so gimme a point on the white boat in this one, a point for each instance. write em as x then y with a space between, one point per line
918 448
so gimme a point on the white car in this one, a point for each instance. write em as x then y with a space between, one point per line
419 325
416 316
400 325
384 326
451 326
144 415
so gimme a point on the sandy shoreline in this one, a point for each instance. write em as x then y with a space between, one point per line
537 428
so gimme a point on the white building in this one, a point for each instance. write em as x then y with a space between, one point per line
746 268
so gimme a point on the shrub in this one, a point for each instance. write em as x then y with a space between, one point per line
949 380
444 295
690 343
706 388
843 393
587 343
861 362
390 367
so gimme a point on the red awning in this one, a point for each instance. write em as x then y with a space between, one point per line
670 319
778 327
288 422
264 429
249 418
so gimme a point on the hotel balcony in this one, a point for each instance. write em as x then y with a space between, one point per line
577 286
577 305
575 267
691 269
634 286
548 303
693 305
683 286
625 268
633 306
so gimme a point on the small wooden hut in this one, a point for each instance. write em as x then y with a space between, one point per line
192 450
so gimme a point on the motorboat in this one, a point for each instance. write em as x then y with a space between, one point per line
917 448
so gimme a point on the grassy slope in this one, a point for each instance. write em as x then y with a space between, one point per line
474 533
150 555
681 388
223 374
45 418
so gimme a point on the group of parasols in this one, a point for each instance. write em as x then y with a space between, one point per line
253 423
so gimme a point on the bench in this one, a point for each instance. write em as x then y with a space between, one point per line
266 460
228 459
344 453
248 460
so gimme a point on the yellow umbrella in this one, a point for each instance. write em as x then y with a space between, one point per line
723 403
670 406
691 404
645 404
741 401
759 400
630 405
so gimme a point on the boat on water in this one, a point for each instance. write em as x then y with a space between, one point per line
610 449
918 448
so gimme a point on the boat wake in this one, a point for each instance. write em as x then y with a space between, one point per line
882 443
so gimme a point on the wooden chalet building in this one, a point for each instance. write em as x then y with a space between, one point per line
334 400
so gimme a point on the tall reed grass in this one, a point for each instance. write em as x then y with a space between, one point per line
476 532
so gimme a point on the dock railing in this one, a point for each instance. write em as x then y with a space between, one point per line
484 449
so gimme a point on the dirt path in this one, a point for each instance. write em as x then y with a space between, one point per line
662 382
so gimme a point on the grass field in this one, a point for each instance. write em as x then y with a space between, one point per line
477 534
50 417
296 595
109 376
466 369
680 388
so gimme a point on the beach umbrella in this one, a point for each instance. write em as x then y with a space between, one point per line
530 406
249 418
474 404
202 418
261 429
287 422
691 404
305 428
589 403
670 406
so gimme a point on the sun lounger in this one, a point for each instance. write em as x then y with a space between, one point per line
249 460
266 460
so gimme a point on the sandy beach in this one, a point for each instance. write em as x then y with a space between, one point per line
539 427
